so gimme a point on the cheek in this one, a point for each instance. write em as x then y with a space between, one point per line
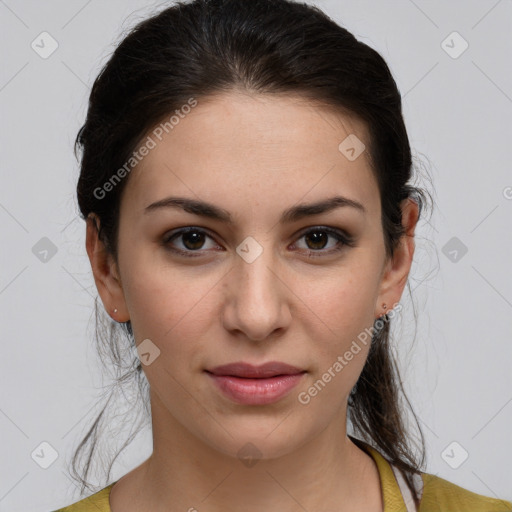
339 319
168 305
342 303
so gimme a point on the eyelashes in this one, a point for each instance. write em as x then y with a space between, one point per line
343 240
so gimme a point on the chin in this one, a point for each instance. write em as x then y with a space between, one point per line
267 439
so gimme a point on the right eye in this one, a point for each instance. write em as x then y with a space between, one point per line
192 239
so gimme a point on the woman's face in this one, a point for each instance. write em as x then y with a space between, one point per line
269 285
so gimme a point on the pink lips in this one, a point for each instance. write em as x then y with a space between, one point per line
256 385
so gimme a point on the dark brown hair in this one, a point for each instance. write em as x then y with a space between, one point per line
198 48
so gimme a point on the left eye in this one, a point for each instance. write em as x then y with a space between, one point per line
318 239
193 240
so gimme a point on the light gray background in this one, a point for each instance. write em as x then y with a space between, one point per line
458 113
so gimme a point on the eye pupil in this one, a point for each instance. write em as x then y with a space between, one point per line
196 237
317 236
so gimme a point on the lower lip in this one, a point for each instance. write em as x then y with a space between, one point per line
256 391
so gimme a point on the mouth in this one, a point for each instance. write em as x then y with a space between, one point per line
247 384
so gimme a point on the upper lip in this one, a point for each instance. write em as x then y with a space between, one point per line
246 370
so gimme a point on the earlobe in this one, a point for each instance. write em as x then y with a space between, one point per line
105 271
397 268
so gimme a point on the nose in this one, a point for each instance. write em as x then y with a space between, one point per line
256 300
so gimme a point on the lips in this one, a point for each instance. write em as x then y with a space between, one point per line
249 371
247 384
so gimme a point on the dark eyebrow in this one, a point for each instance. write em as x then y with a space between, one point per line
292 214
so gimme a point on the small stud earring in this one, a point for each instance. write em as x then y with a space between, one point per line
115 311
384 306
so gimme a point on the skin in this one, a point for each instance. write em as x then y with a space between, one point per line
255 156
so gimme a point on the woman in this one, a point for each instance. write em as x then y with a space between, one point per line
245 181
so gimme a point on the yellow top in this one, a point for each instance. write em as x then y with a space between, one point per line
438 495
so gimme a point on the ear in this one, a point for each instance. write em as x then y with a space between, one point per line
105 271
396 270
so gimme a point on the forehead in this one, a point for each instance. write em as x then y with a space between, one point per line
266 148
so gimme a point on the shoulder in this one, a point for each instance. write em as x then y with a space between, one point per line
440 495
97 502
437 494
